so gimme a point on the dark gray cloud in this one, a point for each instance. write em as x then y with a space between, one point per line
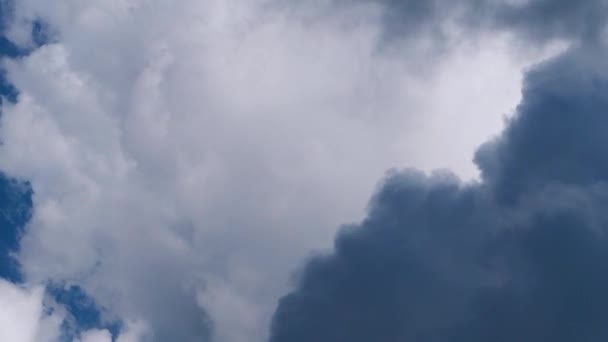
548 19
520 256
559 133
534 20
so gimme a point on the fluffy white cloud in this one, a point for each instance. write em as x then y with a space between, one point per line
132 332
186 155
23 317
96 336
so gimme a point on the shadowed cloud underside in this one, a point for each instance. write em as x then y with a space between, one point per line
521 255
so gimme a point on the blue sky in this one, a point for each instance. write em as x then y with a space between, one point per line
270 171
16 201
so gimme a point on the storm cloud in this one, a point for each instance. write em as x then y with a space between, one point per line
521 255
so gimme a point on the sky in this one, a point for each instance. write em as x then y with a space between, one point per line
280 171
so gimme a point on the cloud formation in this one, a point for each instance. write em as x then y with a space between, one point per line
28 315
185 156
537 21
519 256
22 315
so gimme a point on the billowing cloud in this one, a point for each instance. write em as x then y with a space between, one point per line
96 336
184 157
519 256
135 332
28 315
538 21
22 315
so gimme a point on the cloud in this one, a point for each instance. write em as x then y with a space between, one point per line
134 332
519 256
27 315
81 312
97 336
541 20
22 316
538 21
184 157
567 151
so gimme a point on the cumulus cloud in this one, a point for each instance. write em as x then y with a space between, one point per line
96 336
134 332
22 315
185 156
518 256
27 315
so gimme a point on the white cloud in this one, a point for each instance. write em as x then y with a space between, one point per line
96 336
189 154
25 316
22 315
130 333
